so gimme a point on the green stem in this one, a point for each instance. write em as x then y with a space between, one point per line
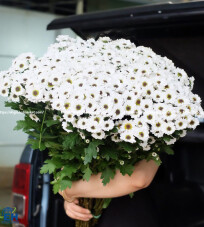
42 128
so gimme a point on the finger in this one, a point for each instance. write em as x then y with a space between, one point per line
60 192
80 215
76 201
67 204
77 216
79 209
71 207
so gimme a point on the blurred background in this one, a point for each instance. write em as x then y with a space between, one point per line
23 26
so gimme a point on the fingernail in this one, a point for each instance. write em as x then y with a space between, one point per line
88 211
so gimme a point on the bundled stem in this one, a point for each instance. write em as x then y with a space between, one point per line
96 206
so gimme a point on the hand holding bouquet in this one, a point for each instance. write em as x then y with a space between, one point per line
105 105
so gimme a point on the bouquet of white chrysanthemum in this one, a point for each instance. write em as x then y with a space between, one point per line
105 105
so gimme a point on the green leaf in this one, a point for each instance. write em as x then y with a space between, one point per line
33 133
56 188
70 140
167 138
13 105
68 170
90 151
131 195
35 144
67 155
106 202
158 162
42 147
20 125
107 175
48 136
109 152
127 169
31 124
49 123
65 183
50 166
96 216
126 146
52 144
87 174
168 150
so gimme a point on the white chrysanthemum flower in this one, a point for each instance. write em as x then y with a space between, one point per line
158 96
129 107
128 137
157 124
193 122
191 82
35 93
99 120
143 144
121 162
106 105
117 86
57 117
65 126
108 125
82 135
82 123
5 82
151 140
183 111
93 126
168 128
146 104
150 116
55 78
22 62
169 96
138 101
34 117
92 94
184 132
181 123
14 97
180 73
169 114
127 96
4 92
137 112
90 106
66 106
118 112
99 135
171 141
127 125
154 154
116 138
200 112
77 108
160 108
142 133
57 104
181 101
148 91
139 122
